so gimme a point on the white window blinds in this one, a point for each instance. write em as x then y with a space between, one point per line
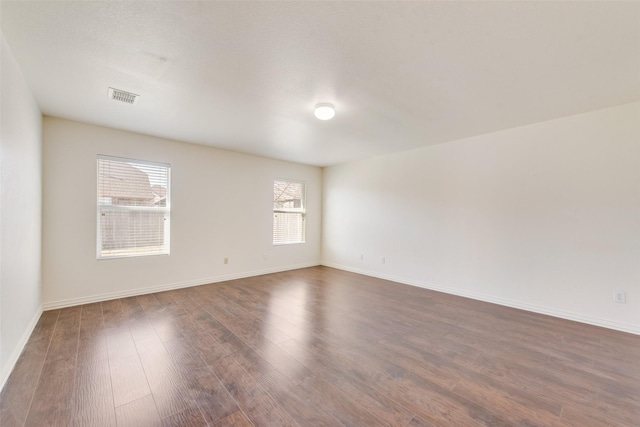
288 212
133 207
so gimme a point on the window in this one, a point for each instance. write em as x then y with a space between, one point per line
288 212
133 207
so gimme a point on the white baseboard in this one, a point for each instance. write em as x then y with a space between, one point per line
596 321
169 286
17 351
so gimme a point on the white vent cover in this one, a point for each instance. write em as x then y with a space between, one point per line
123 96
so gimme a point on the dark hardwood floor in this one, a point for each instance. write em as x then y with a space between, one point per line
319 347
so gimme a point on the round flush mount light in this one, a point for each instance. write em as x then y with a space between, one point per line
324 111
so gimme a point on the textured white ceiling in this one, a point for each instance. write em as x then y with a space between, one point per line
245 75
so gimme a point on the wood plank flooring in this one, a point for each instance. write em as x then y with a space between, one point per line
319 347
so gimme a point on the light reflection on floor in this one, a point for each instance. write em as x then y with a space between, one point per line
287 319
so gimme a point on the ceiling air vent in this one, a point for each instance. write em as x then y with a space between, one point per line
121 95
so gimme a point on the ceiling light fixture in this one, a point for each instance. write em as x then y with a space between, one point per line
324 111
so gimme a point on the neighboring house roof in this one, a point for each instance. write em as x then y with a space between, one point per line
123 181
159 195
285 191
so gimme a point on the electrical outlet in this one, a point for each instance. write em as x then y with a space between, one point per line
361 257
226 261
620 297
383 259
265 257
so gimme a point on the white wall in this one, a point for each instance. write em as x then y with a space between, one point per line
544 217
20 212
220 207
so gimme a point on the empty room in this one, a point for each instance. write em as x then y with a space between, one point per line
312 213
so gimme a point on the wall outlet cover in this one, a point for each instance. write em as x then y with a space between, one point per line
620 297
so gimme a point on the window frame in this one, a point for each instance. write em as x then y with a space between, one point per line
109 207
302 211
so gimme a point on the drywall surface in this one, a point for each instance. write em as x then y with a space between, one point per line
20 212
221 207
544 217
